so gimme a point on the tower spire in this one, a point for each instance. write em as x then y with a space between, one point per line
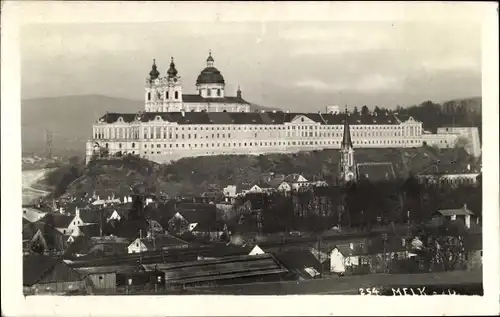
210 59
154 73
238 92
346 140
172 71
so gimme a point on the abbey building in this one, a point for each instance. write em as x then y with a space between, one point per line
175 125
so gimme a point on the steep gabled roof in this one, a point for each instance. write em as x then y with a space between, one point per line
57 220
298 260
37 267
92 230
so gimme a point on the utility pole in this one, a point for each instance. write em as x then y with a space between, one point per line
100 221
140 247
384 238
319 257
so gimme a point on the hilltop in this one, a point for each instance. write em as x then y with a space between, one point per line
69 119
200 174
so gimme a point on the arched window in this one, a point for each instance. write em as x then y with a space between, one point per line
176 95
166 95
218 92
107 145
133 145
149 96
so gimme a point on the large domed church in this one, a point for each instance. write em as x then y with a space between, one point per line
165 94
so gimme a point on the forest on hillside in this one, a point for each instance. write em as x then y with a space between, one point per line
193 176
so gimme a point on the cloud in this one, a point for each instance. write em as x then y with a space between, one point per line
314 84
363 84
447 63
336 40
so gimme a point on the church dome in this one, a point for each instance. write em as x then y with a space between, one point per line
210 75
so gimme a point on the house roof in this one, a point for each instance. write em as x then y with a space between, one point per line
198 216
92 230
80 245
57 220
219 269
298 261
459 212
32 214
209 226
25 222
31 229
89 216
159 256
163 241
192 98
267 118
293 178
37 267
275 182
357 249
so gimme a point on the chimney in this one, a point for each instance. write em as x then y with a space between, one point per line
403 242
238 93
465 206
183 113
468 167
351 246
77 212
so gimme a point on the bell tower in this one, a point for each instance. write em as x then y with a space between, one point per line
347 164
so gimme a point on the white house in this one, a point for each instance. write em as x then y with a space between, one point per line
255 189
343 256
163 242
284 187
462 213
256 250
297 181
82 219
229 191
114 216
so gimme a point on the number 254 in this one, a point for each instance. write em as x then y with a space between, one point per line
368 291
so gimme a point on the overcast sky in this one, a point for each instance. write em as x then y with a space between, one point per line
290 65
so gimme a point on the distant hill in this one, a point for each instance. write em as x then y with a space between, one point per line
69 119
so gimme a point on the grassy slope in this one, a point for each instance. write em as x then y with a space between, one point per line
196 175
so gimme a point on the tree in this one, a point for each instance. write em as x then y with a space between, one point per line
365 111
355 111
377 110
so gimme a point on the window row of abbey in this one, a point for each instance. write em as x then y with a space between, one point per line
240 132
260 144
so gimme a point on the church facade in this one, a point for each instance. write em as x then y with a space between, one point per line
165 94
175 125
